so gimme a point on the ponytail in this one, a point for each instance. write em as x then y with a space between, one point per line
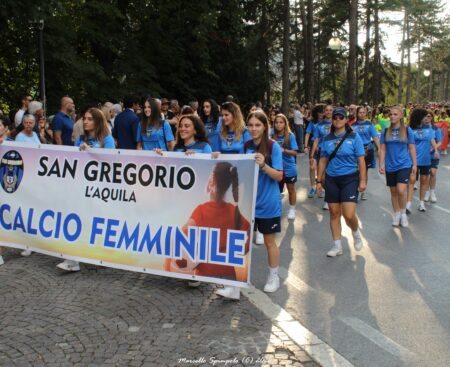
235 191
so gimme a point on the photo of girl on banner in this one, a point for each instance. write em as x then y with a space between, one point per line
217 213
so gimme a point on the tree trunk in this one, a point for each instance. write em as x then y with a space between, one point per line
367 54
265 52
298 53
419 70
408 69
447 76
309 57
377 57
319 62
400 78
285 71
352 58
430 80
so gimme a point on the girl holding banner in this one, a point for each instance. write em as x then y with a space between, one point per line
96 135
268 198
191 136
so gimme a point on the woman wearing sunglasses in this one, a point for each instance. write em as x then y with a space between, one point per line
342 160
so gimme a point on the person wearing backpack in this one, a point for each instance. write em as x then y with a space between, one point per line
398 161
268 156
96 135
342 160
153 132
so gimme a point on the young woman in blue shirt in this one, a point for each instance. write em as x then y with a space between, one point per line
268 156
345 176
317 114
424 138
286 139
154 132
191 136
430 194
368 134
210 115
96 135
398 161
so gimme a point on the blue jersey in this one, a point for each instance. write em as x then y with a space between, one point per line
232 146
438 138
196 146
289 163
155 139
213 133
397 151
268 196
321 129
422 137
108 142
346 160
366 131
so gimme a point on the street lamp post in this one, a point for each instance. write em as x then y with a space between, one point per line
334 44
427 74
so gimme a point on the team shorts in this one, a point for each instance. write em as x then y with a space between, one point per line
342 189
434 163
370 158
424 170
400 176
268 225
290 180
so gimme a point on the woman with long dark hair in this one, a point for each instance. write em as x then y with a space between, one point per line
424 137
398 161
191 136
268 156
342 161
210 115
154 132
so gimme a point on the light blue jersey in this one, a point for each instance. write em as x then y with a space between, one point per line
232 146
268 196
108 142
422 137
321 129
397 151
346 160
22 138
155 139
366 131
289 163
196 146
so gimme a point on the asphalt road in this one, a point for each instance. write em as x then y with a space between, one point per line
387 305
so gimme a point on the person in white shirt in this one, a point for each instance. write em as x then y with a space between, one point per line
298 126
25 101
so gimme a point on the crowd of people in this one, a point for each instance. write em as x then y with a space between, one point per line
340 141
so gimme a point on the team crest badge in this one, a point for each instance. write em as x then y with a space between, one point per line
11 171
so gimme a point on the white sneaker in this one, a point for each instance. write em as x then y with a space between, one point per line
422 207
272 284
229 292
1 260
357 241
433 197
291 214
416 185
396 220
322 194
26 253
69 265
259 239
404 221
325 206
194 284
335 251
363 196
427 196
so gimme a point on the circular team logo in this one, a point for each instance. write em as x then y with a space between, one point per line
11 171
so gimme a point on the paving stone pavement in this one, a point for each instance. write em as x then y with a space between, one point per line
106 317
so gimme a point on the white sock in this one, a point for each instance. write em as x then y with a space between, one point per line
398 214
408 204
356 233
292 207
422 202
273 271
402 211
432 191
338 243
